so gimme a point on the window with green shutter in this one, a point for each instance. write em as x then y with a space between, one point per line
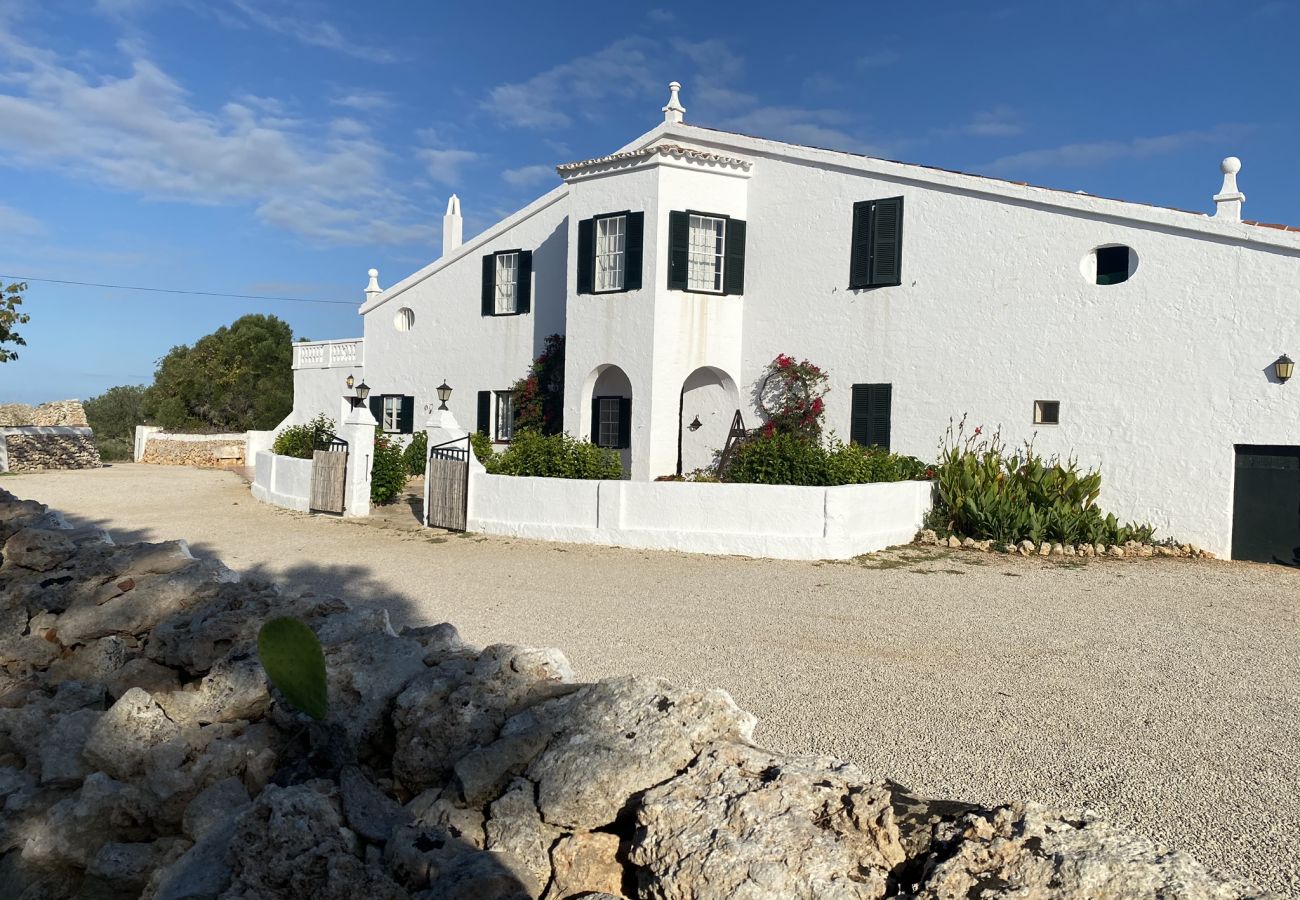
870 422
876 248
508 283
706 253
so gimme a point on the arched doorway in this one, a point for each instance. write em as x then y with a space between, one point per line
610 397
709 400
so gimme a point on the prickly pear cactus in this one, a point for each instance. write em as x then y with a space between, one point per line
295 663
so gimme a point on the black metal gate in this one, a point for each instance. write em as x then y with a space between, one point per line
1266 505
447 484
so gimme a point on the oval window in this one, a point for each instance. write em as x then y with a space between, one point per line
1109 264
404 320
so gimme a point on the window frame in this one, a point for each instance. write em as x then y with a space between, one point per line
1040 412
498 397
720 254
617 400
497 284
595 256
397 415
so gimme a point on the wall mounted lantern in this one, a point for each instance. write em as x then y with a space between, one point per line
696 424
349 381
362 391
444 393
1283 368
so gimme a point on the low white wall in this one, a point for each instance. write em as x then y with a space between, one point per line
781 522
282 481
257 442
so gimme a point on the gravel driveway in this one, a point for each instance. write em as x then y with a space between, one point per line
1164 693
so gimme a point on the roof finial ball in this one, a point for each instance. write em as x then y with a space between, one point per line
674 112
1229 199
373 289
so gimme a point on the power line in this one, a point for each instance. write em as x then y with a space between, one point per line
128 287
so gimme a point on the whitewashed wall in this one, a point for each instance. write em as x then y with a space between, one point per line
282 481
734 519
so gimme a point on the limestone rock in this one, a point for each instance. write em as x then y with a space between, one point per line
515 826
365 674
61 757
927 537
235 688
38 549
129 866
432 810
622 736
369 812
741 821
215 807
123 736
584 864
1023 851
101 811
200 873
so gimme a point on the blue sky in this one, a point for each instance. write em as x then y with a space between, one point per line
285 146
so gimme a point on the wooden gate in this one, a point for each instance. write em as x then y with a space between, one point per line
329 477
447 485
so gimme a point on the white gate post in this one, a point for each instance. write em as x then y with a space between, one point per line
358 429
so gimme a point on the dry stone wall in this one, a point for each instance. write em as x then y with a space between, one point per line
49 436
203 453
142 753
60 412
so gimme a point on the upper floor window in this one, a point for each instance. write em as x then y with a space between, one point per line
706 253
611 248
1114 264
394 412
609 253
706 262
876 255
507 282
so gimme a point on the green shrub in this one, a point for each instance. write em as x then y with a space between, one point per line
115 449
301 441
792 458
482 445
387 471
554 456
987 491
416 455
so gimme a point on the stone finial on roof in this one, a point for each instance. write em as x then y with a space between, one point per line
452 226
674 112
373 289
1229 200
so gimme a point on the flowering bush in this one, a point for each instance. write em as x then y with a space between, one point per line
791 397
988 491
539 395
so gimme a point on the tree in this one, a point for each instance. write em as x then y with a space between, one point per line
10 299
113 416
237 378
539 395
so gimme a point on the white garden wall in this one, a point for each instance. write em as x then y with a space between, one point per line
282 481
781 522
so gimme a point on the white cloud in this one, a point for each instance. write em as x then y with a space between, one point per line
1097 153
445 165
1001 121
15 222
661 16
554 98
363 100
141 132
878 59
308 28
526 176
814 127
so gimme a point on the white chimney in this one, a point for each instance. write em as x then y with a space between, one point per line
1228 201
674 112
453 226
373 289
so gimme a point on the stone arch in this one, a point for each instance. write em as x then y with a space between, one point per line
710 397
607 391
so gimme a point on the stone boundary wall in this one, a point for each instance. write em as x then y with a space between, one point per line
155 446
58 413
143 753
759 520
36 447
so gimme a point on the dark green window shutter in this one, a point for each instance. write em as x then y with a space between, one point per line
406 416
733 267
484 412
876 254
489 285
586 255
634 242
377 409
625 422
860 254
524 286
887 242
595 421
679 249
870 423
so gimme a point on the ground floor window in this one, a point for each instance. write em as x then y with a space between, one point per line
612 427
391 419
870 422
506 412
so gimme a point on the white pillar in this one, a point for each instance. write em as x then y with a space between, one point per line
373 289
674 112
358 429
1229 199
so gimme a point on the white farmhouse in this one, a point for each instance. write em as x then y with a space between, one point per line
1137 338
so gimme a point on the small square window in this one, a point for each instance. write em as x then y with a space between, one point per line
1047 412
1112 265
